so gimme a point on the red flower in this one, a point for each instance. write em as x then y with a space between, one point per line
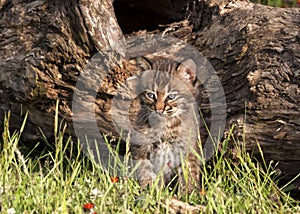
202 192
114 179
88 206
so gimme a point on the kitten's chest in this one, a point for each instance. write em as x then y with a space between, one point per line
165 155
171 130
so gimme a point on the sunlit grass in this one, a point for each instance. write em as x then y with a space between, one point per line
279 3
58 182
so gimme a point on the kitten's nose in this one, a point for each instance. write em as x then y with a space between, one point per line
159 106
159 111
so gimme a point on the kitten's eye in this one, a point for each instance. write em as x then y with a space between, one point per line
150 95
171 96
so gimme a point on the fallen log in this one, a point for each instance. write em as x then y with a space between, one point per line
254 50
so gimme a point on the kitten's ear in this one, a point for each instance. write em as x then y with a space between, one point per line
143 63
127 89
132 82
187 70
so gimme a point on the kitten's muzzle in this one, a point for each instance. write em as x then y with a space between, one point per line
160 111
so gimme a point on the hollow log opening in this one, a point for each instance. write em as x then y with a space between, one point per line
135 15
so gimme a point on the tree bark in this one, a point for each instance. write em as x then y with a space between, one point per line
44 47
254 49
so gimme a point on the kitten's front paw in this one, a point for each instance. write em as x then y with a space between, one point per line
146 183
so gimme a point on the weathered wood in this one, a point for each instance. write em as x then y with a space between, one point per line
44 46
255 51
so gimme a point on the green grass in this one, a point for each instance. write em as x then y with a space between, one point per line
279 3
61 182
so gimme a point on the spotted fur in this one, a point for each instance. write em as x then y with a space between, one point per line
163 115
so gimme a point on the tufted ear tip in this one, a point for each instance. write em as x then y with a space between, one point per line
187 70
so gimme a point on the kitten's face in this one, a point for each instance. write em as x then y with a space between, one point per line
161 95
162 102
164 89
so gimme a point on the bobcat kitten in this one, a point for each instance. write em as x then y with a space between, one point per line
163 117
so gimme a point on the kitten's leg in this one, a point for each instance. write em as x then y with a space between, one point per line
193 177
145 174
148 175
194 171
